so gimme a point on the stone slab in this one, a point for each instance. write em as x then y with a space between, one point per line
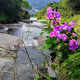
7 41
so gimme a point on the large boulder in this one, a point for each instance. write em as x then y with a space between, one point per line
8 41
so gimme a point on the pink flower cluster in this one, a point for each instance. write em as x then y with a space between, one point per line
52 14
73 44
55 17
58 35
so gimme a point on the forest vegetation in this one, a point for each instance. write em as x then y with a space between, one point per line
69 10
14 10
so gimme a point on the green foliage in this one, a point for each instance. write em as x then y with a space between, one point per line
48 77
67 8
41 33
12 10
44 22
25 4
44 47
72 66
41 14
68 62
3 16
37 78
51 78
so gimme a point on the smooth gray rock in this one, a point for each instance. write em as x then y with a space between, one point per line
8 41
22 72
41 39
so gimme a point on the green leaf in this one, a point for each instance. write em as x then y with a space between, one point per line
47 36
64 31
47 75
45 29
55 47
40 47
54 41
41 33
48 32
38 78
49 24
50 78
75 69
46 47
75 38
76 76
53 78
44 63
48 41
72 31
53 66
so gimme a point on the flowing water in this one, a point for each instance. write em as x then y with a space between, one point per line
29 41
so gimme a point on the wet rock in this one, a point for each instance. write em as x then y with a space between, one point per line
11 25
41 39
27 21
38 26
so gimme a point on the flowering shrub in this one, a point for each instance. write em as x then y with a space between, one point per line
62 38
63 43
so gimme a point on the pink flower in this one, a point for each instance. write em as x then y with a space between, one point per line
58 19
54 11
51 34
59 35
73 44
54 33
57 15
53 22
65 26
74 34
58 28
49 9
49 16
50 13
72 23
76 42
64 38
69 28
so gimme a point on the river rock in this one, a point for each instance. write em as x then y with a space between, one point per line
38 26
41 39
8 41
27 21
22 72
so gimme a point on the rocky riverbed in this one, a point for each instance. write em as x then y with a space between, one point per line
22 71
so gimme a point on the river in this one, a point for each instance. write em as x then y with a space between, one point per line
22 56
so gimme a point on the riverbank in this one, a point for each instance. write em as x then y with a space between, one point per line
9 27
4 28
